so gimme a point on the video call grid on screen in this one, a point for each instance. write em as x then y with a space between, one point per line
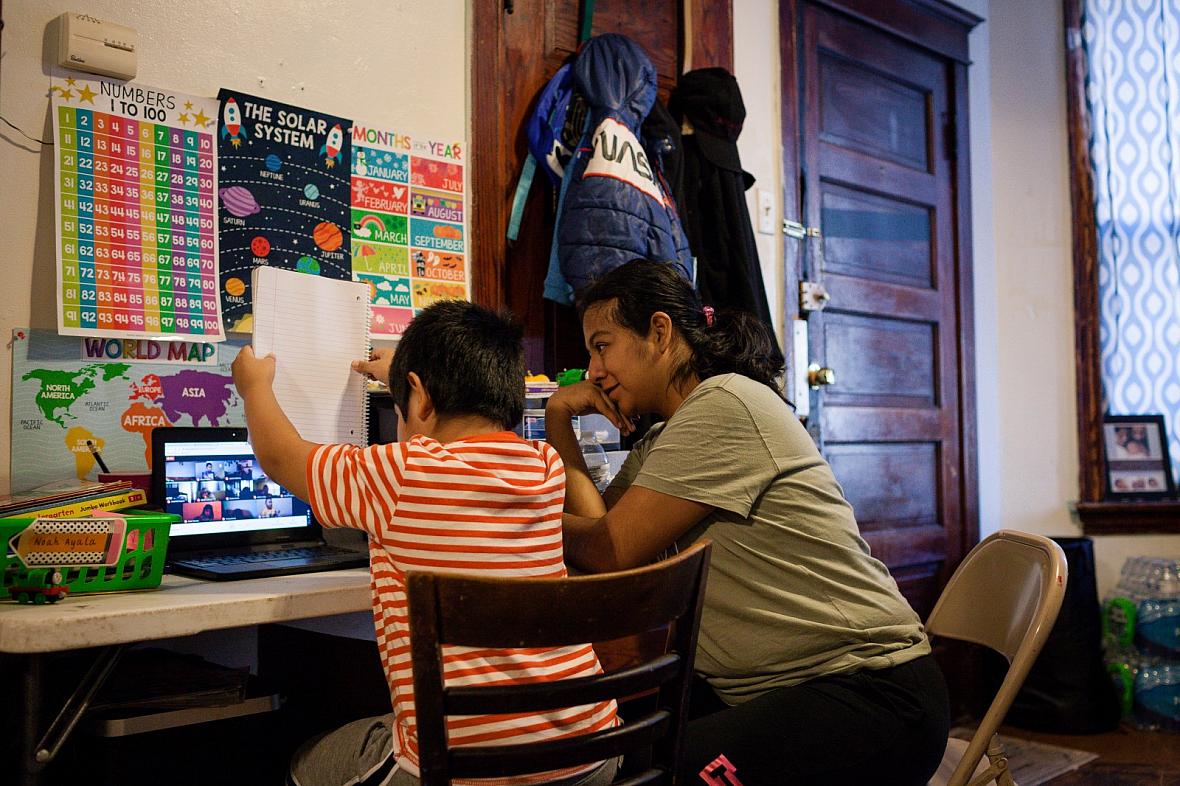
219 487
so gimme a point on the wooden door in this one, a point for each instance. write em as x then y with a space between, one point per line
517 46
879 131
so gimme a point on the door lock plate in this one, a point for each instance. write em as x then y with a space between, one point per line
802 385
812 296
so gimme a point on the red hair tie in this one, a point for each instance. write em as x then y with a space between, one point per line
708 316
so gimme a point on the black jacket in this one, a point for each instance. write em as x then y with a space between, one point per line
713 207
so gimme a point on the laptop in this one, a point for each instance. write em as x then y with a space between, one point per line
236 523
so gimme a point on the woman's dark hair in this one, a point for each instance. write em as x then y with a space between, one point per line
470 360
735 342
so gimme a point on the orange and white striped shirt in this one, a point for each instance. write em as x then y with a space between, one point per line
490 505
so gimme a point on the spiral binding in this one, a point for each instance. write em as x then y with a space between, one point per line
368 350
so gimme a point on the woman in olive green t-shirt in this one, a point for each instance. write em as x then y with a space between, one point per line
813 667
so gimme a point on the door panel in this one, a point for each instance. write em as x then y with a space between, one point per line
883 362
876 238
878 182
872 113
889 484
654 24
874 174
900 301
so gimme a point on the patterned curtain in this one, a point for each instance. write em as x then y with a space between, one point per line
1133 94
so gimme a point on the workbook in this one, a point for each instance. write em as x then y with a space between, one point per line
315 327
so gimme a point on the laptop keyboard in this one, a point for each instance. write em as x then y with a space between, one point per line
315 552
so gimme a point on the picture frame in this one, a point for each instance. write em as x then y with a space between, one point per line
1137 462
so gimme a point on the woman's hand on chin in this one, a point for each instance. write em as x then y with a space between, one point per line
585 398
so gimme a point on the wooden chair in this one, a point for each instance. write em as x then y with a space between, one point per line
1005 595
529 612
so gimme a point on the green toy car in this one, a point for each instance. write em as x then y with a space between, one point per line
37 586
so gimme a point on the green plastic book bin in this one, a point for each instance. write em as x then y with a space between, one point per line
140 564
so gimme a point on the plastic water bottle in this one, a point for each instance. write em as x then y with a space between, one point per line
1157 627
595 457
1157 696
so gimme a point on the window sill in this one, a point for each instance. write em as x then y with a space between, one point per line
1130 517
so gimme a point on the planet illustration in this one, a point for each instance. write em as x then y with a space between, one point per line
327 236
274 163
309 265
239 201
311 192
235 287
260 246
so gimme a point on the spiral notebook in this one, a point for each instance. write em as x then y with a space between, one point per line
315 327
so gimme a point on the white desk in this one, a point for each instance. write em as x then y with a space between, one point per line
181 607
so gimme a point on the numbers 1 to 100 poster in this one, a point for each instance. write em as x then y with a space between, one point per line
136 210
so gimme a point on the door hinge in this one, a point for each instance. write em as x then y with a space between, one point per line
798 231
812 296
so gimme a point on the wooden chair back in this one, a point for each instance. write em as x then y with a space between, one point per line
473 611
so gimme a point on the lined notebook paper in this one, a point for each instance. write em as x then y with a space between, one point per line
315 327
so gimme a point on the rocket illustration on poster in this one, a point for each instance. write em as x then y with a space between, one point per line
283 198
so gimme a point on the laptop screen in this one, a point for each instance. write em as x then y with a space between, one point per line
211 479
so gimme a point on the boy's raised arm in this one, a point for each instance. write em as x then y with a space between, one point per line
281 452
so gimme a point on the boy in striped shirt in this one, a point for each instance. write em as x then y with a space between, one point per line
458 492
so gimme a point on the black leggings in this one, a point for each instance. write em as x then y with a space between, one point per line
883 727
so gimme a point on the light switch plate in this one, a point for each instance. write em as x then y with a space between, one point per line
765 212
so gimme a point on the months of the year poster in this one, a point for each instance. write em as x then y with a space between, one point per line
136 212
408 223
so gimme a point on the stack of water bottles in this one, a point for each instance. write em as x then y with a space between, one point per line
536 395
1141 630
592 438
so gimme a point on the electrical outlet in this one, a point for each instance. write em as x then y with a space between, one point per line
765 212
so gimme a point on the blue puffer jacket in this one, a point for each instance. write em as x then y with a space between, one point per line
614 206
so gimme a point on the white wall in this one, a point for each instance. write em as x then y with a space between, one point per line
1033 311
755 64
983 258
386 63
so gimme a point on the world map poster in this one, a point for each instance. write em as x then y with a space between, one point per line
60 400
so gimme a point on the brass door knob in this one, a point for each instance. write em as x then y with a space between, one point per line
820 375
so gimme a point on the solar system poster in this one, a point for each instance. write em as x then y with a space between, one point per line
408 223
283 195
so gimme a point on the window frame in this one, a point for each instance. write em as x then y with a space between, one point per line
1097 515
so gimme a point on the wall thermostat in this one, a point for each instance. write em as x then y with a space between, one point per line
97 47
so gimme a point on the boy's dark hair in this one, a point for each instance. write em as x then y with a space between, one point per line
732 342
470 360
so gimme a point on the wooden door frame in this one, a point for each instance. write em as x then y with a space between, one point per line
491 197
941 29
